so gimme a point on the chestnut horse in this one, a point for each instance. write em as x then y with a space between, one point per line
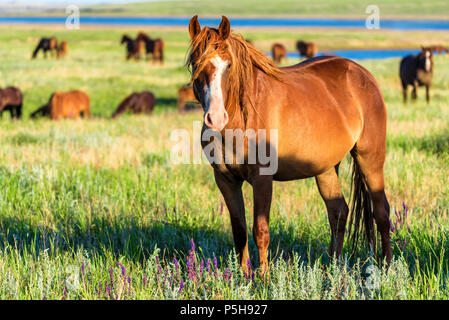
321 109
46 44
306 49
70 104
11 99
155 47
278 52
417 70
137 102
62 50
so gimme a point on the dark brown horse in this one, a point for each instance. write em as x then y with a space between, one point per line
315 113
307 49
70 104
185 94
46 44
416 70
278 52
138 102
11 99
155 47
132 47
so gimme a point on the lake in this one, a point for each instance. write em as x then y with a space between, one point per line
362 54
236 22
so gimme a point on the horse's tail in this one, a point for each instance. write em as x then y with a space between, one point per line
361 216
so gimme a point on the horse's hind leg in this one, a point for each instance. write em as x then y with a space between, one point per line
370 159
337 209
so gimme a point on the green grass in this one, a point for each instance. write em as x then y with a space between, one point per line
319 8
85 195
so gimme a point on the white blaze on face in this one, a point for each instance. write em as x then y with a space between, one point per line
427 61
216 116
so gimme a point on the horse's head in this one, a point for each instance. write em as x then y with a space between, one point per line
211 60
125 38
223 66
425 59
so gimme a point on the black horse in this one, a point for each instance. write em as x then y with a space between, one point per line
132 47
417 70
138 102
11 100
46 44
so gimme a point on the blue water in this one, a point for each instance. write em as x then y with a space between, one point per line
361 54
237 22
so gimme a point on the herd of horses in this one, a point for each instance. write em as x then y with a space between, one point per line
415 70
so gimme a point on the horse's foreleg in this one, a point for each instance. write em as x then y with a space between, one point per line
337 208
427 94
414 95
231 189
262 193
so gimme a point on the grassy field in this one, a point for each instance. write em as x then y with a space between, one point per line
299 8
94 209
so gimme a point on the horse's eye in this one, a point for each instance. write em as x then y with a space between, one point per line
229 65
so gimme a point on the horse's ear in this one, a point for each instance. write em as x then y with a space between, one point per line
225 28
194 27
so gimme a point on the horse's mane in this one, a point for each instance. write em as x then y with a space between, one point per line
244 57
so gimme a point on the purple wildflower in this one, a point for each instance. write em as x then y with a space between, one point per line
159 268
176 267
181 285
144 280
215 266
201 268
111 276
123 268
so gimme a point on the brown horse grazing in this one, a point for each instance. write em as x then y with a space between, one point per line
316 113
11 99
416 70
70 104
142 102
46 44
278 52
185 94
63 50
306 49
155 47
132 47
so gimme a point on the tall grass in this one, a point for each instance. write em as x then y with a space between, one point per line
94 209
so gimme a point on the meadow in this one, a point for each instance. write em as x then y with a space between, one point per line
416 9
94 209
